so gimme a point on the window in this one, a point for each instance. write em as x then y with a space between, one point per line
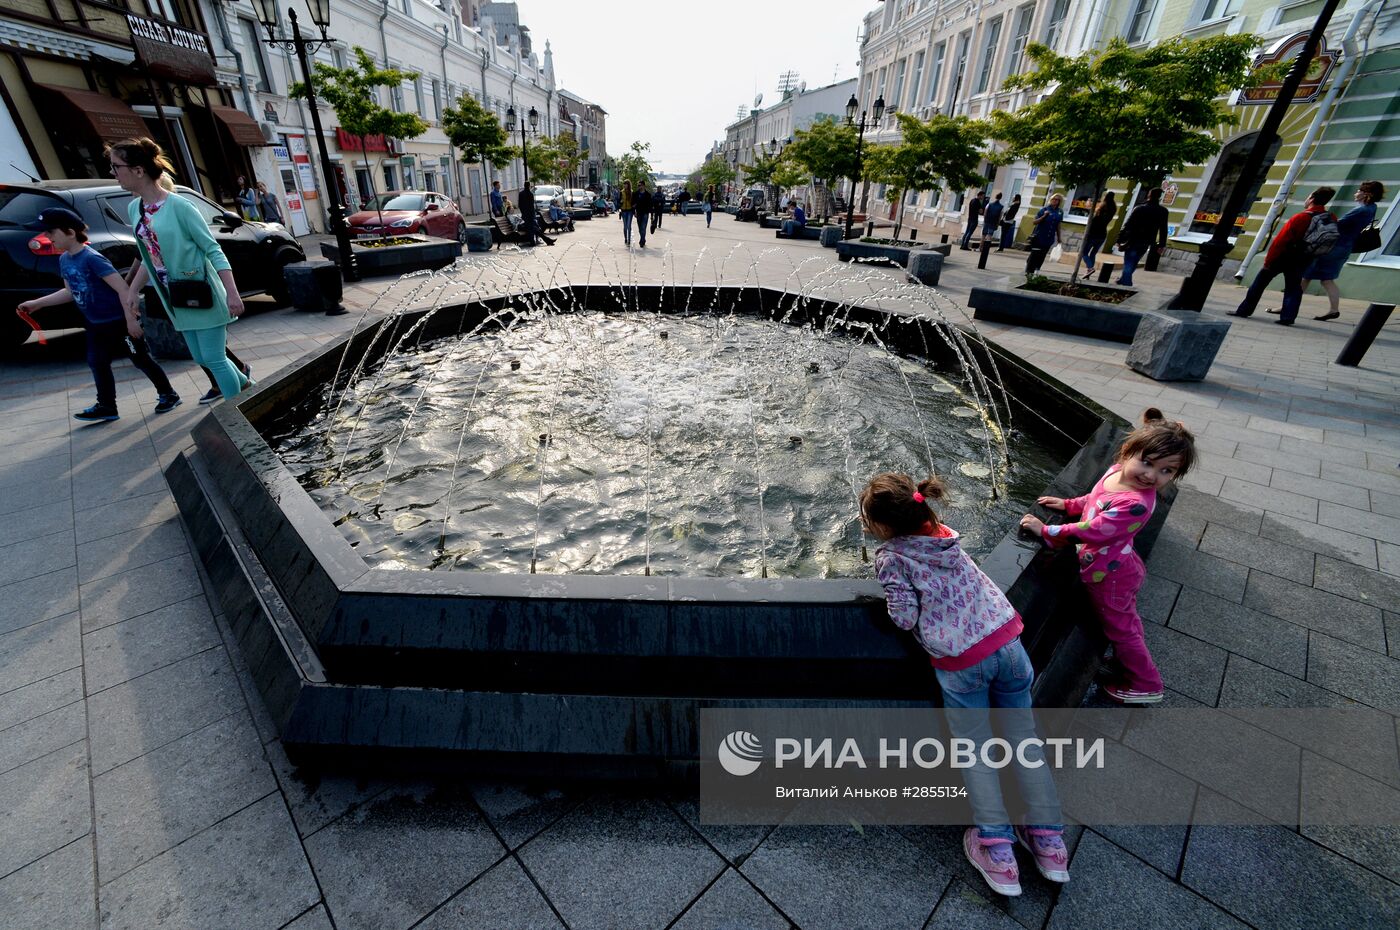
1055 23
437 99
937 74
1139 20
396 98
430 183
362 180
389 178
338 56
253 59
989 54
1208 10
1081 200
1020 36
884 72
959 69
166 9
898 93
1228 166
918 80
418 96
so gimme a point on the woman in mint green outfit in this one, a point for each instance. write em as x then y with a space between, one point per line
176 246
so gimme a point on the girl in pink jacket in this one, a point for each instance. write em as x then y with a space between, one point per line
972 634
1109 516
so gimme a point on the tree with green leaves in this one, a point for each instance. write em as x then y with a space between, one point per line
477 133
762 171
789 175
827 149
942 152
634 166
716 171
556 160
351 92
1124 112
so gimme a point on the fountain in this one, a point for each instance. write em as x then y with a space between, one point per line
518 519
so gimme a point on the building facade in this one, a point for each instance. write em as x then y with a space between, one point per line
588 123
761 130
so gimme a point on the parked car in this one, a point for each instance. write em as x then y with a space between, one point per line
402 212
577 197
29 261
544 193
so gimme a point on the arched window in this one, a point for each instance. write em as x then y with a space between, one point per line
1228 168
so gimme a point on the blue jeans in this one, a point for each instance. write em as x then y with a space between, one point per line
627 227
642 221
1091 250
1008 232
207 348
1132 254
967 235
709 211
790 227
1292 292
1002 680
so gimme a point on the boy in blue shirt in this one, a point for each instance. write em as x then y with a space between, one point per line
100 293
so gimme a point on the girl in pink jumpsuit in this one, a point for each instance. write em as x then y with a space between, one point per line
1119 506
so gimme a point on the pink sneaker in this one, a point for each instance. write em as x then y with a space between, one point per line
1047 847
996 861
1125 695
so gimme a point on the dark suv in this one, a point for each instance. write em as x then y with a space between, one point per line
29 262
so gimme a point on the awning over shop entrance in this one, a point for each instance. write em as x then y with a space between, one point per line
109 118
242 128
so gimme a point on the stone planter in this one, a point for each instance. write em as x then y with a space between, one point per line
479 238
830 235
1176 345
314 285
423 252
925 267
1021 307
894 254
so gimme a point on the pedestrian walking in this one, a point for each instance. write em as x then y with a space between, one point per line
683 199
991 218
642 203
192 276
709 205
1045 234
1306 236
1145 229
1328 268
527 212
658 207
498 203
267 202
247 199
1097 231
975 206
113 328
1008 223
627 208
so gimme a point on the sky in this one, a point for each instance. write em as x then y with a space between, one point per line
674 72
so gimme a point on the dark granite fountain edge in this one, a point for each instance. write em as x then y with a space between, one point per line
321 577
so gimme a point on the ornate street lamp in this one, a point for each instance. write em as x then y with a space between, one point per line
876 113
534 119
321 16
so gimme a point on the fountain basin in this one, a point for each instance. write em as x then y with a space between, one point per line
523 671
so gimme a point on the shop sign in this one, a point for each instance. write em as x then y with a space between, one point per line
1210 219
407 161
296 145
1286 51
351 143
168 51
281 155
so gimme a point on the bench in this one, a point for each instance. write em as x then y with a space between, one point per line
803 232
504 232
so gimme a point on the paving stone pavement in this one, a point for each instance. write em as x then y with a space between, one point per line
142 784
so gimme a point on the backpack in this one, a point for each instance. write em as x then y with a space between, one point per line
1321 235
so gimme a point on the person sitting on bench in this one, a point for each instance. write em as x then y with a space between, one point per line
798 220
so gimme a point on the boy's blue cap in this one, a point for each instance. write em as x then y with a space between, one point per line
61 218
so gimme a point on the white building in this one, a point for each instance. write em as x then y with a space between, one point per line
797 109
480 49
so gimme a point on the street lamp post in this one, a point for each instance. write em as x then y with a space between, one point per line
321 16
534 119
876 113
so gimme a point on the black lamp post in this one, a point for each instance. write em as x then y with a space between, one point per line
878 111
534 118
321 16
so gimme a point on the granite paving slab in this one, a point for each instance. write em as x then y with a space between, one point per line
1362 522
616 861
1332 795
131 549
119 516
735 842
731 903
1260 554
1269 640
963 908
19 478
102 489
122 651
315 919
53 892
38 651
40 697
37 556
1110 888
1159 845
518 811
1269 499
42 735
43 805
1318 610
1323 540
139 590
390 861
315 798
19 526
136 716
502 899
1198 570
1156 599
844 878
158 800
1254 872
1359 584
1189 665
246 871
1367 676
42 597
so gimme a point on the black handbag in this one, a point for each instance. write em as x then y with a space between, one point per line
191 295
1368 240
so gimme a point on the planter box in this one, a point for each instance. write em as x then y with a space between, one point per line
423 252
806 232
895 254
1020 307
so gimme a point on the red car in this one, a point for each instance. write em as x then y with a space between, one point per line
403 212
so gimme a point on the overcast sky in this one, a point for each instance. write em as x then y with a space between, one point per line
674 72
